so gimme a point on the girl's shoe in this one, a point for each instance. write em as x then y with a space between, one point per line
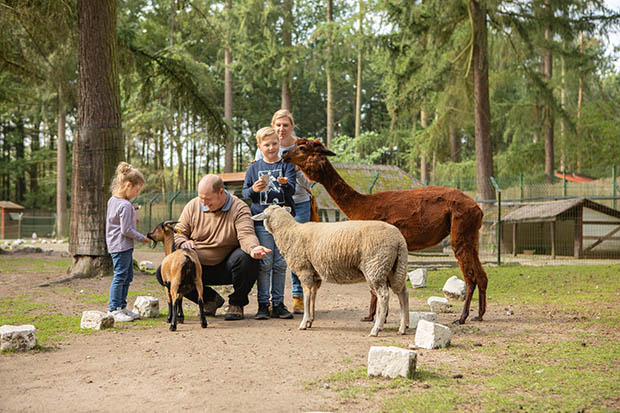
134 316
119 316
263 312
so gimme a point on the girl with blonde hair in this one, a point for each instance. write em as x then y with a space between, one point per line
121 232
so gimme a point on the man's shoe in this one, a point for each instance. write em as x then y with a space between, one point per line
280 311
263 312
234 313
212 306
298 305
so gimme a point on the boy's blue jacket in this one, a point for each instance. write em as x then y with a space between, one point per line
276 193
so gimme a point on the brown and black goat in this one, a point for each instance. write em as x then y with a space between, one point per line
181 272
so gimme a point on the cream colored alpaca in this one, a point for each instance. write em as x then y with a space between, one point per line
343 253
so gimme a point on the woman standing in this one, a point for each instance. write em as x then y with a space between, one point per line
284 125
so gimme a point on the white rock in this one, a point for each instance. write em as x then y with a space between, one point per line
146 306
438 304
454 288
432 335
34 235
96 320
18 337
391 362
418 278
17 242
415 316
146 265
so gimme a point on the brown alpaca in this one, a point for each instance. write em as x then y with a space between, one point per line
424 216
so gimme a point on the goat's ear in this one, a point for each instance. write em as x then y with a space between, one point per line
288 209
259 217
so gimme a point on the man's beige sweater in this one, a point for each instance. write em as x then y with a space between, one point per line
218 233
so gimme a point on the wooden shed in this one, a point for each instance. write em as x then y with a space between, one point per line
578 227
10 219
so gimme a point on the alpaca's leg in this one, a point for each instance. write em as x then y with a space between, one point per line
382 293
403 299
482 299
372 308
469 292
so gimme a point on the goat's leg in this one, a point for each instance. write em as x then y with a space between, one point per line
201 304
403 299
313 291
170 308
180 315
175 308
382 294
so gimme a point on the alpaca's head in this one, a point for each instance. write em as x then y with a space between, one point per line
310 156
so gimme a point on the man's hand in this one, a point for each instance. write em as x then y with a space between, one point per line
259 252
189 244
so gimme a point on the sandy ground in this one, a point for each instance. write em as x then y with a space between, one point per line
248 365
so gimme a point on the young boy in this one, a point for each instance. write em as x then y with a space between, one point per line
270 181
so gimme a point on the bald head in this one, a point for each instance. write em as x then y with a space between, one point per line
211 192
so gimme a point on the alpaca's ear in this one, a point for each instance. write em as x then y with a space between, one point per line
327 152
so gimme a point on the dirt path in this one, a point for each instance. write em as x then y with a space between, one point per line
231 366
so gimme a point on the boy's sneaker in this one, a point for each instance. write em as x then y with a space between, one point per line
119 316
134 316
263 312
280 311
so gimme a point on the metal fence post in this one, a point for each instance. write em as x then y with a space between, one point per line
374 181
564 183
613 185
151 209
521 187
170 204
499 220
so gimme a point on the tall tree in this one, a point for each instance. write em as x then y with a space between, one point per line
358 83
97 146
482 109
328 75
228 96
548 106
287 43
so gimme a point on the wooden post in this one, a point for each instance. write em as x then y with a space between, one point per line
578 242
514 239
553 240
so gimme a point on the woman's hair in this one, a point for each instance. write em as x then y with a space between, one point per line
263 133
125 174
283 113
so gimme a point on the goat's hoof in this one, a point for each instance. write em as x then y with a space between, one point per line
373 333
402 332
203 325
168 320
458 321
180 320
173 327
478 318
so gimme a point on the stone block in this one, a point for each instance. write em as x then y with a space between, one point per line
146 306
146 265
454 288
438 304
96 320
21 338
391 362
418 278
415 316
431 335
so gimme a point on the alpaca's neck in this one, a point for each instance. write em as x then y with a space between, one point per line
350 202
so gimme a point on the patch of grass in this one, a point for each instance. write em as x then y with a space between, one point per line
51 327
34 265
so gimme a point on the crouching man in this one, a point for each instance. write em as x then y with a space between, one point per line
218 226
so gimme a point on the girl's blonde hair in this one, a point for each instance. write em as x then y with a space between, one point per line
263 133
125 174
283 113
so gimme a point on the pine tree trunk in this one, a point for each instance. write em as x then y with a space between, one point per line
423 159
455 143
328 72
228 105
482 111
358 91
549 115
61 169
97 146
287 42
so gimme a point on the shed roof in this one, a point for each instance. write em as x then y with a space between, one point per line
550 211
10 205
